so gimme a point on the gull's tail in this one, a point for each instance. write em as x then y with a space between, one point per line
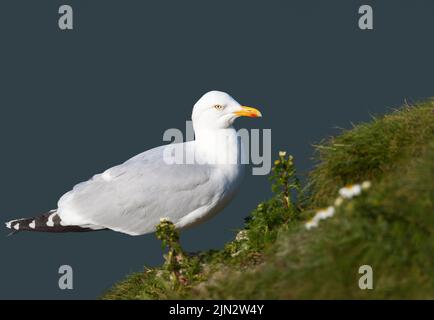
47 222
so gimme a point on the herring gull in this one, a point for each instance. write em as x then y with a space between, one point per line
132 197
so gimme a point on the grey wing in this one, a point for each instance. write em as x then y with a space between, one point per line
133 196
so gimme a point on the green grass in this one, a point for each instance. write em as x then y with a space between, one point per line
389 227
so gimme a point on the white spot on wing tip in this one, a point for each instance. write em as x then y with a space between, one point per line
50 222
32 224
8 224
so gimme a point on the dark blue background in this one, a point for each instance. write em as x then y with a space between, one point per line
75 103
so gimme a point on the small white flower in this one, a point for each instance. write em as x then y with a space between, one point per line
349 192
325 213
338 201
236 253
282 153
164 220
242 235
311 224
366 185
320 215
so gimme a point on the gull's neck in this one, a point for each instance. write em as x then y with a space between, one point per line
217 146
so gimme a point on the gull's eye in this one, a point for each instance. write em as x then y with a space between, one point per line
218 107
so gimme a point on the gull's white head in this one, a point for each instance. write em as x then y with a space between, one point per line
218 110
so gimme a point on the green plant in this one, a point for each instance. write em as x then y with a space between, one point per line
175 256
284 179
281 210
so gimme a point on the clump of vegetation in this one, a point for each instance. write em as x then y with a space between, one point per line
390 226
175 257
263 224
370 150
285 179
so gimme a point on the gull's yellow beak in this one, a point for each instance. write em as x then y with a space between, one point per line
248 112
